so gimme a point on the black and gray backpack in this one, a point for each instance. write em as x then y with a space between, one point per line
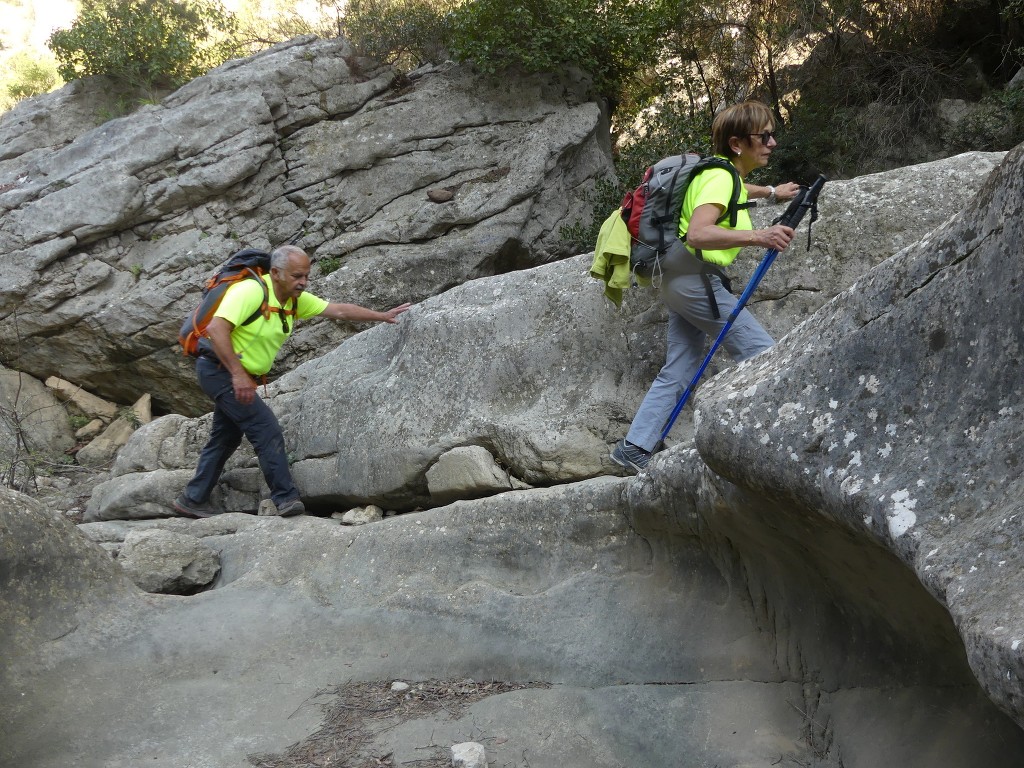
652 210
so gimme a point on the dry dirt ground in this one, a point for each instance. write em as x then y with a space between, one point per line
358 713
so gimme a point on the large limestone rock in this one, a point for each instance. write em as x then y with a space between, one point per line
863 222
895 414
660 632
52 582
108 232
34 426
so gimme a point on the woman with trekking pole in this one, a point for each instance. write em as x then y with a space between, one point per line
693 287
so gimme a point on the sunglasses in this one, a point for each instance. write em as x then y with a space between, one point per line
766 136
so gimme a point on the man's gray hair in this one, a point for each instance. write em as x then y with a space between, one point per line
279 257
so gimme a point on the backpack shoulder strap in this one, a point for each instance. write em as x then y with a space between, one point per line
734 206
262 309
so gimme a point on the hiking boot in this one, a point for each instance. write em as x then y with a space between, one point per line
293 507
184 506
630 456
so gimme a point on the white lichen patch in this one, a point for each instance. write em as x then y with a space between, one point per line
822 422
870 383
833 404
884 452
765 439
890 429
851 485
750 391
901 517
790 411
855 459
848 438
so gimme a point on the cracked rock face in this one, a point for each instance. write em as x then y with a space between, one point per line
109 231
897 414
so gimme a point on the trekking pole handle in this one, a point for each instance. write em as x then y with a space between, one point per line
804 201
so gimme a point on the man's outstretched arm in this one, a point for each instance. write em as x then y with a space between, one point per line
357 314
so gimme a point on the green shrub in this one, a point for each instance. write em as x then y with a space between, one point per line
144 43
613 40
329 264
996 123
27 75
262 23
405 33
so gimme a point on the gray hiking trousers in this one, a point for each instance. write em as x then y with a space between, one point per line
690 322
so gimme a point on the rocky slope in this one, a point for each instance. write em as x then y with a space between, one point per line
823 574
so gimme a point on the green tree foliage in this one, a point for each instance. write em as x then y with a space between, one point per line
144 43
613 40
262 23
405 33
26 76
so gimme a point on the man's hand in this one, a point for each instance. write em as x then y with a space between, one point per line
244 386
391 314
354 313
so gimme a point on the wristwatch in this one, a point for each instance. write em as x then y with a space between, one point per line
771 194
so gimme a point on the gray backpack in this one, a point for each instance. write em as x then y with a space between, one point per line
652 210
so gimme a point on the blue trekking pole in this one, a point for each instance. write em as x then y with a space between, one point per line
806 199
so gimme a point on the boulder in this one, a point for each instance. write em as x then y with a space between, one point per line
863 221
464 473
86 402
110 232
894 414
670 605
103 448
52 581
166 562
90 430
360 515
101 451
34 425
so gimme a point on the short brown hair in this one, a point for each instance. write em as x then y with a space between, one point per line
741 120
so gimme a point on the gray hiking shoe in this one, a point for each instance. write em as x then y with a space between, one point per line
293 507
632 457
184 506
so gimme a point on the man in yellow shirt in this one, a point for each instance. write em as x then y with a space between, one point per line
242 351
